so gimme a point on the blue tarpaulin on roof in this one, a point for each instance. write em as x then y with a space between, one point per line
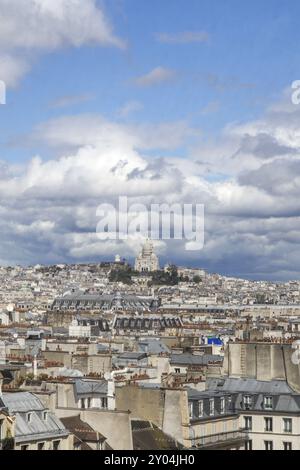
216 341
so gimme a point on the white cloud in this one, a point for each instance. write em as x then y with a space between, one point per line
12 68
129 108
71 100
48 208
92 129
155 77
185 37
32 27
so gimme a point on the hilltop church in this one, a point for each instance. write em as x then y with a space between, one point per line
147 261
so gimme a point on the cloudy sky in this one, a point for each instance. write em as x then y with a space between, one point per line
162 101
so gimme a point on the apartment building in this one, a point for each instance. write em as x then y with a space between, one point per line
36 427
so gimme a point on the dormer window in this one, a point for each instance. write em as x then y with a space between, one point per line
28 417
222 405
211 407
45 415
191 410
268 403
200 408
247 401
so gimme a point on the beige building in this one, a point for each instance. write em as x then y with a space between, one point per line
147 261
36 427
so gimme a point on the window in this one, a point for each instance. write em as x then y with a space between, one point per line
269 424
191 410
29 416
25 447
268 445
287 446
222 405
41 446
248 423
104 402
177 370
247 401
211 406
200 408
82 403
268 403
45 415
56 445
248 445
89 403
287 425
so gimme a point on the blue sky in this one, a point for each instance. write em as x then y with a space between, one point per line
198 77
250 56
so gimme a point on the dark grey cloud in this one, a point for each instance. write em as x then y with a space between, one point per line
264 146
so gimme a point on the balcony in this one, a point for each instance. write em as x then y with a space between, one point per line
7 444
225 440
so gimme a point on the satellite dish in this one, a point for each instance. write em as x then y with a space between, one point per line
15 335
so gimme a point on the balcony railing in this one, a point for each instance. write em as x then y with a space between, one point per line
224 439
7 444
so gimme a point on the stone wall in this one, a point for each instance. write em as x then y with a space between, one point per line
114 425
144 403
262 361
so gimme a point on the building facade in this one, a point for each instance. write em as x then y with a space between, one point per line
147 261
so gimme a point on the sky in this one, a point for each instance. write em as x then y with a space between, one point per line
163 101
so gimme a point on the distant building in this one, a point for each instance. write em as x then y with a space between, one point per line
147 324
147 261
100 302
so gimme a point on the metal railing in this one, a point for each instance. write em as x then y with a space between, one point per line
222 438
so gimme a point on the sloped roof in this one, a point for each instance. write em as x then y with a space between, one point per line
191 359
82 430
22 403
153 346
90 386
147 436
248 385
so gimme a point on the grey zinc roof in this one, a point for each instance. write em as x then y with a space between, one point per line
194 394
248 385
285 400
132 355
288 403
285 403
190 359
153 346
20 404
38 427
90 386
